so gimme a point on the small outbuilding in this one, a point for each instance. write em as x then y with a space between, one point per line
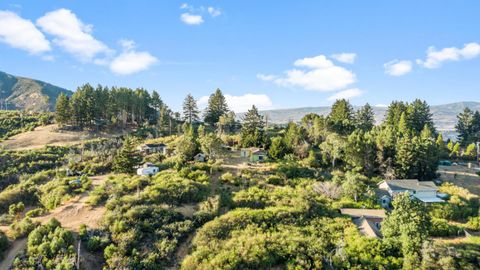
200 157
254 154
148 169
150 148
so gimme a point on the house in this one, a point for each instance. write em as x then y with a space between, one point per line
150 148
148 169
368 221
258 155
425 191
253 154
200 157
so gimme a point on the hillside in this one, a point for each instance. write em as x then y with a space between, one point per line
27 94
444 116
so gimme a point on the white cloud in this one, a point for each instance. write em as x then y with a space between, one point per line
398 68
266 77
214 12
348 58
320 74
131 61
381 105
21 33
191 19
72 34
435 58
346 94
242 103
320 61
184 6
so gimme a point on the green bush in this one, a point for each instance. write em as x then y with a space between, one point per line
4 243
35 212
23 227
441 228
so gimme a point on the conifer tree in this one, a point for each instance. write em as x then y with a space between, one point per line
217 106
62 109
364 118
127 158
340 119
252 133
190 109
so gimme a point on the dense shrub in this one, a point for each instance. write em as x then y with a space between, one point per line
23 227
52 245
4 243
441 228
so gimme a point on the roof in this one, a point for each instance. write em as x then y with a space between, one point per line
155 145
429 199
259 152
200 155
354 212
411 184
368 226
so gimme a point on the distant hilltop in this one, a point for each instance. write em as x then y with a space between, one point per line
28 94
444 116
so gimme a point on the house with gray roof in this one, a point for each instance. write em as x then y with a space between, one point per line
425 191
368 221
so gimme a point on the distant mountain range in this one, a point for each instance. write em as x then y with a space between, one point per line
28 94
444 116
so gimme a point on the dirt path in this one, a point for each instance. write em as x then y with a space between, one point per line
17 246
71 215
48 135
76 211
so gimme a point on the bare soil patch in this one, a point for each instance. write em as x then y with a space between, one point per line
50 135
461 176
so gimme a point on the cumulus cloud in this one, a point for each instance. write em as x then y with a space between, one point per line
435 57
191 19
214 12
398 68
131 61
72 34
318 74
22 34
348 58
242 103
346 94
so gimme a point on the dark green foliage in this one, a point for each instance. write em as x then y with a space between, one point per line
118 107
217 106
252 134
340 119
190 109
468 127
364 118
127 157
4 243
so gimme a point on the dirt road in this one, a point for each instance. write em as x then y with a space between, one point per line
17 246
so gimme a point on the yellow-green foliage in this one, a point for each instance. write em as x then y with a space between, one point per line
15 122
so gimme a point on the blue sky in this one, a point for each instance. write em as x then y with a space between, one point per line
276 54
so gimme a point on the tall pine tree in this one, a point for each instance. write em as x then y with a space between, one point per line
252 133
190 109
217 106
62 109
